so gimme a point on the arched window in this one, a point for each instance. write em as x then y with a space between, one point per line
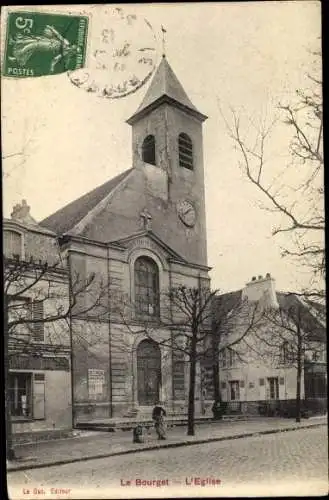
12 244
146 287
148 150
185 151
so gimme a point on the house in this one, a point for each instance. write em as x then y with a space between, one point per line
37 354
141 233
259 373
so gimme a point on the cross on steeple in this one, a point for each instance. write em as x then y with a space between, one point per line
146 219
163 41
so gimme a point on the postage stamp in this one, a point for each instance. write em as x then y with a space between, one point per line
39 44
122 54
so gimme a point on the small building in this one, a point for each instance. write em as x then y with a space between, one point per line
38 341
258 374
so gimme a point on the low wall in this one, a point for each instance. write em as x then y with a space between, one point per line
284 408
37 436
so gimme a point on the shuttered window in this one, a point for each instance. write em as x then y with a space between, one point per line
27 395
185 151
12 244
178 375
38 333
39 396
19 391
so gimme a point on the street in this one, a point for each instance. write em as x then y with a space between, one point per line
285 463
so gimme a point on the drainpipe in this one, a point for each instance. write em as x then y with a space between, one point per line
110 336
71 337
134 403
172 350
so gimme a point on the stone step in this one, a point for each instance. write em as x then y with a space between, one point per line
112 425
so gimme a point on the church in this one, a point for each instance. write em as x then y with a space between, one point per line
141 234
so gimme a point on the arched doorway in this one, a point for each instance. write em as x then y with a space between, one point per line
148 372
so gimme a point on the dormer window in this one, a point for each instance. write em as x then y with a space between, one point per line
148 150
185 151
12 244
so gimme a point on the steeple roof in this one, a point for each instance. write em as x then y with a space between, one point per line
165 87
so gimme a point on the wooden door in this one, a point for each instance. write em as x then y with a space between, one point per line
148 372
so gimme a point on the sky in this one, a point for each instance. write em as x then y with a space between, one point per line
243 56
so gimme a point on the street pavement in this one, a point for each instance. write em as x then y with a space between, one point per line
282 464
101 444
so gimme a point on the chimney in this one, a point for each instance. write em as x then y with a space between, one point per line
21 213
261 289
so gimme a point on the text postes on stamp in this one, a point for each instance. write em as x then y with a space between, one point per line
122 54
39 44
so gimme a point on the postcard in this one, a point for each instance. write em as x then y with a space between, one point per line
164 258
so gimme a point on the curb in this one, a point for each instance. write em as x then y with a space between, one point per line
161 446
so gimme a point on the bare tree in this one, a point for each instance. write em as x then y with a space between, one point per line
36 295
299 202
187 313
295 333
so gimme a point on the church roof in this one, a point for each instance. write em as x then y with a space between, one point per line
67 217
165 86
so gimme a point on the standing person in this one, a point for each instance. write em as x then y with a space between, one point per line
158 415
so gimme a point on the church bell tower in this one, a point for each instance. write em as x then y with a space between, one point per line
168 148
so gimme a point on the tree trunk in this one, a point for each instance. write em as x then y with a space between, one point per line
217 395
10 453
299 374
190 414
298 397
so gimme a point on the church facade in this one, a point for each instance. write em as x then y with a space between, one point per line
140 235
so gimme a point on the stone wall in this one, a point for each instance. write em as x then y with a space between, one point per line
91 369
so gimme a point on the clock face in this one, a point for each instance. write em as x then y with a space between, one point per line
186 213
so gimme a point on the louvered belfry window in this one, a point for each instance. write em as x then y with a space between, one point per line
38 334
148 150
185 151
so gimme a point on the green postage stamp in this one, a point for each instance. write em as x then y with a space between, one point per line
39 44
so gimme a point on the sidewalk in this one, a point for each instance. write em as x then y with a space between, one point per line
91 445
